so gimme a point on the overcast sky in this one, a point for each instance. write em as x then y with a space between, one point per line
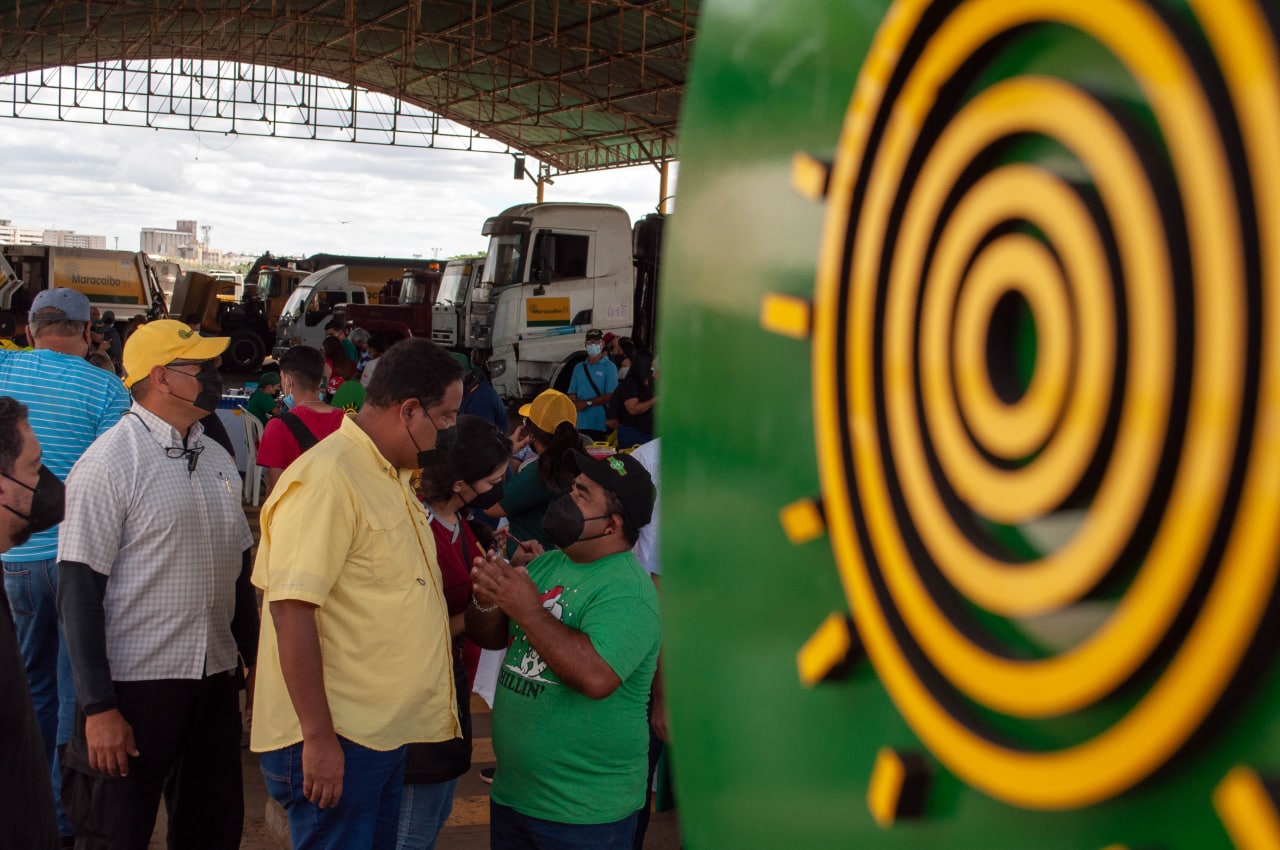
288 196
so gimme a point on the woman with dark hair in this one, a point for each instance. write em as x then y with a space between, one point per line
341 367
636 398
468 476
549 424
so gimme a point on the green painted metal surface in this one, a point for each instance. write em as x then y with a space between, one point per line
760 760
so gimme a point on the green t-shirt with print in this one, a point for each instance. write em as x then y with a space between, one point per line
563 756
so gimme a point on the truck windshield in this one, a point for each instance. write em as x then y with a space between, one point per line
297 302
451 285
269 284
413 290
505 265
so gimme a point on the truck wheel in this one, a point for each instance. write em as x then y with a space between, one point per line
564 377
245 352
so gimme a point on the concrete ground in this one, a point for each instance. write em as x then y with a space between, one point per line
265 826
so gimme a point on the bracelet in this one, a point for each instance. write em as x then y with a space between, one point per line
475 603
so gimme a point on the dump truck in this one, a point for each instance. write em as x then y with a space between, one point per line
415 310
270 284
124 282
380 276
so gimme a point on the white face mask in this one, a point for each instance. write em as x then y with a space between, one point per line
594 350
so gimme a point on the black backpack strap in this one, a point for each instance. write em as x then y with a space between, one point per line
586 370
299 429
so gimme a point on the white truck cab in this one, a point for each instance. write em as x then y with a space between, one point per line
553 271
320 297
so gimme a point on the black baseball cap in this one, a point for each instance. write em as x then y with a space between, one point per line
595 333
625 477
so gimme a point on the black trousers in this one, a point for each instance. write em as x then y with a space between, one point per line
188 737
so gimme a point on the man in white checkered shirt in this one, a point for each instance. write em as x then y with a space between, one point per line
156 605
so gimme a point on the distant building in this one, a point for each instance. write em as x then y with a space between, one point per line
187 225
71 239
168 243
12 235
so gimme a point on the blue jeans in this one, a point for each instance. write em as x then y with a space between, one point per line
367 813
32 588
423 811
510 830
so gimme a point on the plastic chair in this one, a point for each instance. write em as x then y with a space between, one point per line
252 472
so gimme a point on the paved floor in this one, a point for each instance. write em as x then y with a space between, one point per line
468 826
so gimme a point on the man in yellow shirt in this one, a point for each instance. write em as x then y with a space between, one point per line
354 661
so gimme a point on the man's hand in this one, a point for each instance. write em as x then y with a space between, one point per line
493 580
526 551
110 740
322 766
581 405
520 439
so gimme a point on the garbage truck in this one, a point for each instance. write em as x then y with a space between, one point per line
124 282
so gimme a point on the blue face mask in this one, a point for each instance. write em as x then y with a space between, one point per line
594 350
288 402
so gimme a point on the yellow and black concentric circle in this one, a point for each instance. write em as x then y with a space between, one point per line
1132 237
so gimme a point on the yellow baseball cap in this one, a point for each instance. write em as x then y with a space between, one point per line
549 409
161 342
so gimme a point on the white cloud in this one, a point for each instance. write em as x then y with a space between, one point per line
289 196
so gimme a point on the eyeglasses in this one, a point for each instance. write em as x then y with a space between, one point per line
174 452
192 455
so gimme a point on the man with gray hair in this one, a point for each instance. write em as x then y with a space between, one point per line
360 339
71 403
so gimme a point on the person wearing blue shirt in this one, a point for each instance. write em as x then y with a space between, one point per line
70 403
479 398
592 385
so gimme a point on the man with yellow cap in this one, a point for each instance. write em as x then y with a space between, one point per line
157 607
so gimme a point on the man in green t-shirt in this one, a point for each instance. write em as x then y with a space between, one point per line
581 629
263 401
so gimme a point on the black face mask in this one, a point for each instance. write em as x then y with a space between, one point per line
487 499
210 388
445 439
563 522
48 501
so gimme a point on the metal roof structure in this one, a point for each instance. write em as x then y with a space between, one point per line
579 85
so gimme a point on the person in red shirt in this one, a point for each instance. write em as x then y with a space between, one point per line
306 421
466 477
341 367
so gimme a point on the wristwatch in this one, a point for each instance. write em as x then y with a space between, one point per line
588 404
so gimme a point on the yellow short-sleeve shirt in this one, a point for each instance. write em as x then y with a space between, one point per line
344 531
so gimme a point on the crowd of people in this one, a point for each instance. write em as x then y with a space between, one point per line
412 544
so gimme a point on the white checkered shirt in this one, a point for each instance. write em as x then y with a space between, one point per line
171 542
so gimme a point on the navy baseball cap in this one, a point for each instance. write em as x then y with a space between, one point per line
73 305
